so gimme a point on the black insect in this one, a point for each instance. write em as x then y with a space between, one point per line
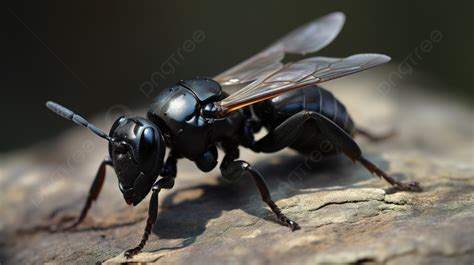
195 117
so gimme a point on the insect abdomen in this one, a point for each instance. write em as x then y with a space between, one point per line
334 110
276 110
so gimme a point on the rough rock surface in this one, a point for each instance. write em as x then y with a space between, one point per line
346 215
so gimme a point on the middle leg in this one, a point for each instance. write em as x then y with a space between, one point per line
233 169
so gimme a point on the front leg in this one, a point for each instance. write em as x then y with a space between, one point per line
167 182
236 168
164 183
170 168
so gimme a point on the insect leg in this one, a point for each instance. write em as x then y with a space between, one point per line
251 127
93 193
164 183
410 186
282 136
349 147
237 168
374 137
170 169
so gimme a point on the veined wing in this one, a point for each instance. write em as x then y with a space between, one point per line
305 39
298 75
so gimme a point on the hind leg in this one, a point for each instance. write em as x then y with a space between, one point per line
349 147
282 136
286 132
409 186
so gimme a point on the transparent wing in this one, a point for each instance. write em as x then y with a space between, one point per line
231 89
298 75
305 39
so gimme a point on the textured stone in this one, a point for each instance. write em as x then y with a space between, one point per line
346 215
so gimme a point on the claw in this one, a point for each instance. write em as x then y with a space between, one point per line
293 225
412 186
63 225
131 252
61 228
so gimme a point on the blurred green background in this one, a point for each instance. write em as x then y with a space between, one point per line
93 55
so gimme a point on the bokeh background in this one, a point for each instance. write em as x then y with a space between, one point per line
92 56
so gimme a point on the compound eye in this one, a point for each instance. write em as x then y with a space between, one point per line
147 142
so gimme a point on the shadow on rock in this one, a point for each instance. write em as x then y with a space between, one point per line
286 175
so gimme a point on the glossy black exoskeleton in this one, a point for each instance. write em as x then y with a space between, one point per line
194 118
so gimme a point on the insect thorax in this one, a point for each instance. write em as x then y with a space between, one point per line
177 111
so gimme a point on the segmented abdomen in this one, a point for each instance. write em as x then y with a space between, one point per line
276 110
332 109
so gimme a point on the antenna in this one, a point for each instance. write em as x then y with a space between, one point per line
70 115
